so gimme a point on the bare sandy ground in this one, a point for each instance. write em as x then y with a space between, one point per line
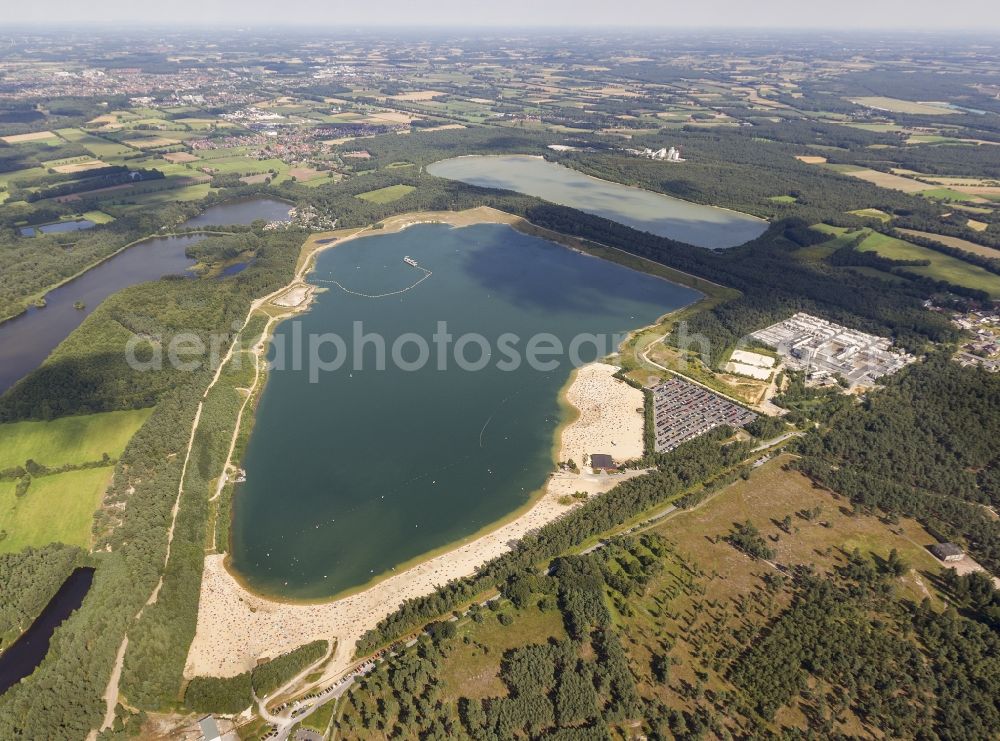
32 137
443 127
75 167
888 180
295 297
611 418
237 627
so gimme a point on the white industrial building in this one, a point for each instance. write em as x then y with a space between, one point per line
825 350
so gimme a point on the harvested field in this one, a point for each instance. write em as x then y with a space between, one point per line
418 95
895 105
390 117
304 173
36 136
152 142
888 180
444 127
79 167
179 158
957 243
810 159
872 213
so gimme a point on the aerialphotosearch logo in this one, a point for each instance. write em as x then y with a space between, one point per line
323 353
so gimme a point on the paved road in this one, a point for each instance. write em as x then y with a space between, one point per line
776 441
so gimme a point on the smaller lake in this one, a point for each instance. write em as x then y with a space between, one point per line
662 215
57 227
26 340
245 211
26 653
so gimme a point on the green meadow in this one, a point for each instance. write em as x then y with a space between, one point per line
59 507
69 440
942 267
386 195
56 509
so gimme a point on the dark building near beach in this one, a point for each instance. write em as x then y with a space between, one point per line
602 461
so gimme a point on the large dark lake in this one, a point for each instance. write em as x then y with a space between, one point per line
665 216
27 340
363 470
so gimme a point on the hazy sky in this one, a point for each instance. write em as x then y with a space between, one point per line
980 15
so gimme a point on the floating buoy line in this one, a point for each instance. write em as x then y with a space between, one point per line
408 260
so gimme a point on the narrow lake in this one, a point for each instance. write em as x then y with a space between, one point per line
24 655
366 469
27 340
665 216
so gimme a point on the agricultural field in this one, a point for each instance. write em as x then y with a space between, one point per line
387 194
884 179
69 440
37 136
961 244
48 505
57 508
942 267
872 213
949 195
98 146
895 105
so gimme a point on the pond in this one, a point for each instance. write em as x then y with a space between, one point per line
57 227
27 339
665 216
24 655
244 211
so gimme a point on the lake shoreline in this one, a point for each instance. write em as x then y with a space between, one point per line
626 214
226 594
237 626
297 298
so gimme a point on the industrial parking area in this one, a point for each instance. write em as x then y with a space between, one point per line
827 351
683 410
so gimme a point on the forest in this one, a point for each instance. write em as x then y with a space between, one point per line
846 649
30 578
925 446
232 695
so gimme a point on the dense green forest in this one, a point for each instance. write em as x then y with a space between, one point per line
29 580
232 695
926 446
846 644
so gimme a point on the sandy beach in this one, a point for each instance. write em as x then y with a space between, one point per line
237 627
611 417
